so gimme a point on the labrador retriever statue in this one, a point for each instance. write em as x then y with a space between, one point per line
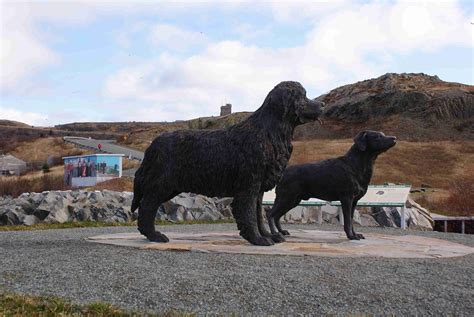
345 178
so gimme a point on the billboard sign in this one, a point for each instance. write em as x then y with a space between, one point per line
87 170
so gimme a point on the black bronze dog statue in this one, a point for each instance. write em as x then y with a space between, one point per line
242 161
345 178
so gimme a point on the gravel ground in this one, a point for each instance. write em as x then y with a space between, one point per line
60 262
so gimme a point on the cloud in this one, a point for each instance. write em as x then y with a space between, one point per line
171 38
23 51
300 11
344 41
225 71
345 45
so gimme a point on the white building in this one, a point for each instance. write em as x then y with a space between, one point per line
10 165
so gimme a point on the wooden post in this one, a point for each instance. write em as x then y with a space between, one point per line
463 227
445 226
320 215
403 223
341 216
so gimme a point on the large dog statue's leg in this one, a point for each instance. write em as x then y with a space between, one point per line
358 235
346 204
243 209
276 237
146 219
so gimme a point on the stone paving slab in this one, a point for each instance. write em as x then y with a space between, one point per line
300 243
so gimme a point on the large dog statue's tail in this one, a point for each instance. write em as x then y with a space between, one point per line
137 190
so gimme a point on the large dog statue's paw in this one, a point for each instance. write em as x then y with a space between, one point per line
359 235
277 237
157 237
263 241
285 232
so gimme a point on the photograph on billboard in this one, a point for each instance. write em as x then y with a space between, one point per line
91 166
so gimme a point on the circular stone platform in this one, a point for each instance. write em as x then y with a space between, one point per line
300 243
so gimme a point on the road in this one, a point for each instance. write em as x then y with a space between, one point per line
107 147
62 263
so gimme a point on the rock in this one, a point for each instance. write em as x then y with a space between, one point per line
368 221
419 217
10 217
356 217
295 215
386 216
24 202
410 106
41 214
80 214
54 203
110 206
30 220
188 206
329 213
416 216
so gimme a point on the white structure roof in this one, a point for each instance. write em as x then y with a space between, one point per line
9 161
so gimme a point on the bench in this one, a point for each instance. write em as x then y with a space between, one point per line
376 196
445 220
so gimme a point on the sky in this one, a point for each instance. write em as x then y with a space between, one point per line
76 61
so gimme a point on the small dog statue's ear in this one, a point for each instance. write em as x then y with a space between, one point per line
361 140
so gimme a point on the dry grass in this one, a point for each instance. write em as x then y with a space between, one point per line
43 148
433 163
140 139
127 164
123 184
15 186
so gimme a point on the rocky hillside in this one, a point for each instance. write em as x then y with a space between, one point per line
416 96
412 106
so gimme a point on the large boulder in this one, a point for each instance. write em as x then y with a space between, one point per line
187 206
64 206
111 206
416 217
56 203
11 216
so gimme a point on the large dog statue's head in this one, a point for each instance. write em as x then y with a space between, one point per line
374 141
288 101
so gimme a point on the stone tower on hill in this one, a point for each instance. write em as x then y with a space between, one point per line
226 110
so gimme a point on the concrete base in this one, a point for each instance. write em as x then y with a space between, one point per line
300 243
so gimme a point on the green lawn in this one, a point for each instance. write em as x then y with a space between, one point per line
26 305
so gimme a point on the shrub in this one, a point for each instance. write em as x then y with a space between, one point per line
461 200
458 202
45 168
